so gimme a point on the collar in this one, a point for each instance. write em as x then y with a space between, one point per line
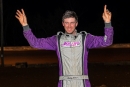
71 36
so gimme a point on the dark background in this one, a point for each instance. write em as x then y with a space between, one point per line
44 17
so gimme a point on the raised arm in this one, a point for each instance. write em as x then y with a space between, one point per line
40 43
102 41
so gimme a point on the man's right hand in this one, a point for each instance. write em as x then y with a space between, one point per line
20 15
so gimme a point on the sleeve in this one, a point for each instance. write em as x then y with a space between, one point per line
48 43
101 41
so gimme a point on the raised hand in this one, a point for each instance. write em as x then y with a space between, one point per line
106 15
20 15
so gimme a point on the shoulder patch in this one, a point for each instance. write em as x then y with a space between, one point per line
83 32
60 33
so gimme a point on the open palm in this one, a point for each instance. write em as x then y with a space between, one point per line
20 15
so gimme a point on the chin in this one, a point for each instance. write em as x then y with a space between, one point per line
69 32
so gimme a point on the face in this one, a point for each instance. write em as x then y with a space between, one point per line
70 25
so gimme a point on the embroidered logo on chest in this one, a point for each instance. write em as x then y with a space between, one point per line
71 44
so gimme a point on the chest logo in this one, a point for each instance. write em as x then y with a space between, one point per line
71 44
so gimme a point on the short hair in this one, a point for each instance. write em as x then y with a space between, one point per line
69 14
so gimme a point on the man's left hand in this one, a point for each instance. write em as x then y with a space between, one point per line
106 15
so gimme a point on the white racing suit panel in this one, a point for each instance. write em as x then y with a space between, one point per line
72 61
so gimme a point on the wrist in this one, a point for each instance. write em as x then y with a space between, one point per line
24 25
107 21
108 25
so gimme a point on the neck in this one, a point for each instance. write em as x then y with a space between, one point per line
73 33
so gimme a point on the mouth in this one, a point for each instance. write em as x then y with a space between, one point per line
69 30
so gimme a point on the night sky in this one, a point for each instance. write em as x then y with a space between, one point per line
44 17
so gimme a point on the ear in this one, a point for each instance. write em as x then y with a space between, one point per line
63 23
76 24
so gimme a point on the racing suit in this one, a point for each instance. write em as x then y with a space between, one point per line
72 52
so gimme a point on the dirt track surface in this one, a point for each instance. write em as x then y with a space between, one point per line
100 75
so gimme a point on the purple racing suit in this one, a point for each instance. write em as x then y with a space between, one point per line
72 52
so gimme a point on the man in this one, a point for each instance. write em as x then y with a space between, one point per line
71 47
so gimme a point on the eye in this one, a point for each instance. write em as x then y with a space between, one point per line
72 22
66 22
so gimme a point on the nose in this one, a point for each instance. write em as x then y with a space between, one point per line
69 25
